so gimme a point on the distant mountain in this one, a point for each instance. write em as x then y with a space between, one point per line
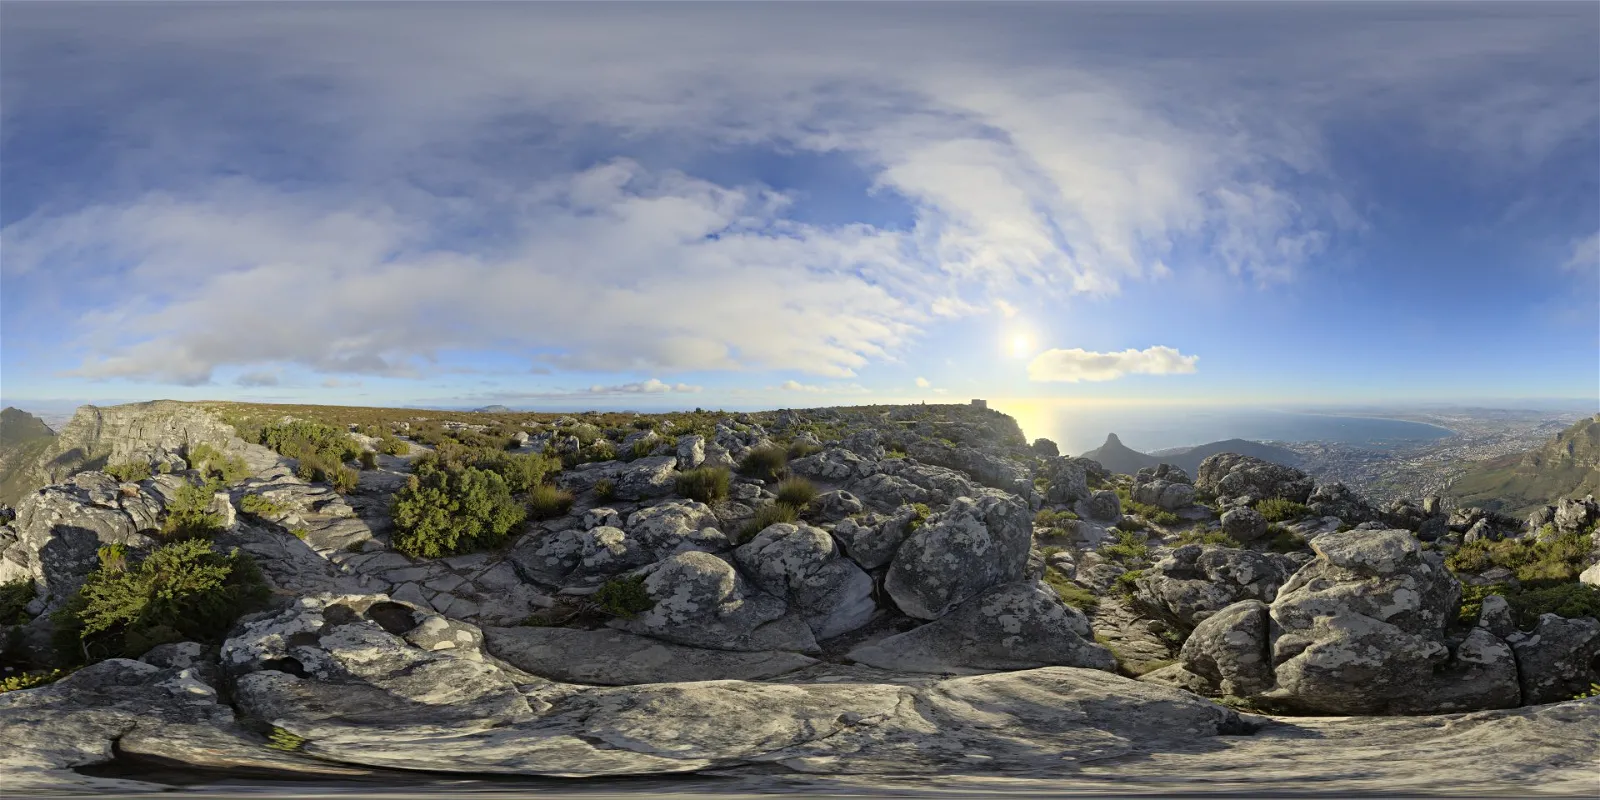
23 437
1118 457
1567 466
492 410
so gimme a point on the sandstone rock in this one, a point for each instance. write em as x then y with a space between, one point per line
1103 506
1482 673
691 451
1012 626
1229 650
1245 525
1230 475
873 540
887 492
1068 482
975 544
1196 581
1337 500
802 565
700 600
1572 516
834 506
675 526
1560 658
614 658
554 559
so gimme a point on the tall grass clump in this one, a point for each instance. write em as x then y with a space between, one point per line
769 463
706 484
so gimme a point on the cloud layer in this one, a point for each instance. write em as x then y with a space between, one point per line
364 191
1072 366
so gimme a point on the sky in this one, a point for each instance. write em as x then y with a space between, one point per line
763 205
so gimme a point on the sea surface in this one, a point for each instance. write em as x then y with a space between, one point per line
1151 428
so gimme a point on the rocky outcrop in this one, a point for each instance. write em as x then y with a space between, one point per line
1337 500
1196 581
1232 477
975 544
138 432
702 601
802 565
1014 626
1164 486
1558 659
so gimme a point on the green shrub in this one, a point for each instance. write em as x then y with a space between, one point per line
643 447
803 448
1277 509
445 512
1207 537
213 464
1472 601
768 463
548 502
706 484
605 489
369 459
894 452
188 515
31 680
14 599
299 533
1046 518
184 591
1126 549
280 739
1070 593
1131 524
130 472
1283 540
797 492
919 516
1594 691
643 424
1569 600
301 438
344 479
767 516
624 596
1127 581
1553 561
259 506
393 446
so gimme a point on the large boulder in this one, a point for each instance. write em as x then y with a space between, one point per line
676 526
1572 516
691 451
886 492
1229 649
1196 581
1068 481
975 544
1230 476
803 565
554 559
1362 631
1336 500
702 601
1244 524
942 485
1558 659
833 465
1013 626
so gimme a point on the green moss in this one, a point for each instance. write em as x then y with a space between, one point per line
280 739
624 596
919 515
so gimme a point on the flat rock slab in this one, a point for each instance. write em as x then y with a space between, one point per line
615 658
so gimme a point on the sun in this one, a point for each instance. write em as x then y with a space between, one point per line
1020 346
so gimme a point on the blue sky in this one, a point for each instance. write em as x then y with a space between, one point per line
763 205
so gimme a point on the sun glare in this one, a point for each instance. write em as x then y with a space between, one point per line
1020 346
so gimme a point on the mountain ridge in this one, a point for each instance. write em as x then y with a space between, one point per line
1118 457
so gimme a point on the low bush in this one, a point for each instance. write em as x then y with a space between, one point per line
130 472
1127 581
189 515
301 438
1277 509
548 502
1128 548
256 505
369 459
642 448
1207 537
797 492
1070 593
605 490
184 591
344 480
14 599
444 512
1569 600
1547 563
767 516
624 596
803 448
214 464
394 446
1282 540
768 463
706 484
31 680
920 512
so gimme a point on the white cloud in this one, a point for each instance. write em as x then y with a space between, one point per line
844 388
257 379
1585 255
1006 309
1027 172
651 386
922 383
1076 365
